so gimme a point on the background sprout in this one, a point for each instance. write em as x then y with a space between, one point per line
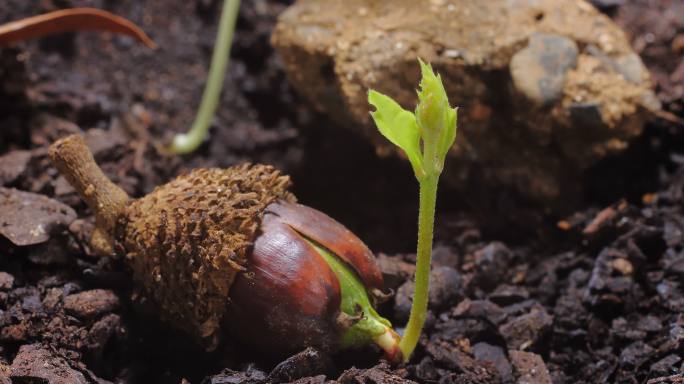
425 136
188 142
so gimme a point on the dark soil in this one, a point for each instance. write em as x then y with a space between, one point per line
600 299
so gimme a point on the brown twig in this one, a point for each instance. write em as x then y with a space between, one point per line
669 117
70 20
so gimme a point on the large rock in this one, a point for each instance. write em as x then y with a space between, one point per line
547 87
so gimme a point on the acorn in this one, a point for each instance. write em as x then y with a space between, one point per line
229 251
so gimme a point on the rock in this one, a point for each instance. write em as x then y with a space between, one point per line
491 265
525 74
671 294
538 70
666 365
320 379
636 354
14 333
379 374
609 288
497 357
483 377
62 187
402 301
506 294
569 314
101 333
29 218
51 252
53 297
527 331
309 362
673 379
6 281
635 328
677 334
426 371
395 271
13 165
529 367
5 374
32 303
33 363
462 330
91 303
228 376
521 307
445 289
456 359
47 128
104 144
675 265
632 68
445 256
483 309
649 323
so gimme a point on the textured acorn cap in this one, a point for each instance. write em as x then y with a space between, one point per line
187 240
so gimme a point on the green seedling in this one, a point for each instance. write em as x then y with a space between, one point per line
189 142
425 136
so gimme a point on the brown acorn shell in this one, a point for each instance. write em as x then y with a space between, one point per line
187 240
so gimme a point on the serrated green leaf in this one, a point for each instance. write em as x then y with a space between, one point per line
430 83
398 126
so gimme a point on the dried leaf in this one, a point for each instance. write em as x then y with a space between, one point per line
70 20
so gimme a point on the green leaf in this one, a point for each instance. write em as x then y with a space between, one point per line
448 136
398 126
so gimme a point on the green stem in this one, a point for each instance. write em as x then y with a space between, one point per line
369 326
188 142
426 221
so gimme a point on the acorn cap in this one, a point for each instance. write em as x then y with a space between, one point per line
187 240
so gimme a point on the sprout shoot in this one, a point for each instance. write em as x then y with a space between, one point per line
368 326
188 142
425 136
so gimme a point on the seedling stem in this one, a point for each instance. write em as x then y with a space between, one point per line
188 142
426 214
426 137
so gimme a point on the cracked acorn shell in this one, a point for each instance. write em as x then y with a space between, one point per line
220 250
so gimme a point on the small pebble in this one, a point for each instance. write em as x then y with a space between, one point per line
497 357
6 281
530 368
538 71
91 303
